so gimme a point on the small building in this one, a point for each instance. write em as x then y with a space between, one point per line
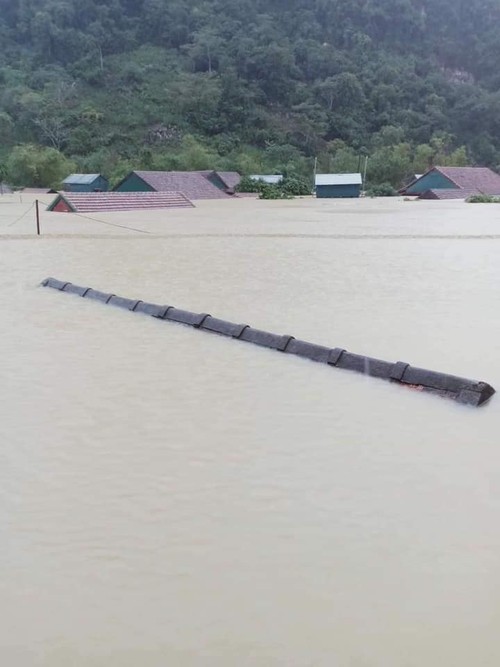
85 183
333 186
270 179
194 184
463 180
92 202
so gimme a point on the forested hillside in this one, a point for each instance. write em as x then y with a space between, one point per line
256 86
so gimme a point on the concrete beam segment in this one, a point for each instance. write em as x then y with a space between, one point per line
223 327
152 309
365 365
309 350
54 283
335 355
441 381
469 392
94 294
264 338
185 317
76 289
120 302
398 370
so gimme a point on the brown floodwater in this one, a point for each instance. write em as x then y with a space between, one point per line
168 497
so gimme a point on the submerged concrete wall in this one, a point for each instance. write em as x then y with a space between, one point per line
460 389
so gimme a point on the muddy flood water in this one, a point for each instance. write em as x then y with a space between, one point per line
173 498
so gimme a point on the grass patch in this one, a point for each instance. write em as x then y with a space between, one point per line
483 199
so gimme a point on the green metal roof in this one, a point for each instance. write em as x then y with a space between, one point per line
81 179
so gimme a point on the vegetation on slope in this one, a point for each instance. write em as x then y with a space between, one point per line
254 86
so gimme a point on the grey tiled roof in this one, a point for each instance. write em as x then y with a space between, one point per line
469 178
194 184
449 193
230 178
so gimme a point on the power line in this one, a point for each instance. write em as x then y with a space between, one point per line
21 216
112 224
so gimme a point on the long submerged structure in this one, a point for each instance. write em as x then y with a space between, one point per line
469 392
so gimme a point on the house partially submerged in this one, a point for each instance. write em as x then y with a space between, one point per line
93 202
334 186
193 184
85 183
454 183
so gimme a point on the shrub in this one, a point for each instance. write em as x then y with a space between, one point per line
483 199
37 166
248 184
288 188
382 190
296 187
273 192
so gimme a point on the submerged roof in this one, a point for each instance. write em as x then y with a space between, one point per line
87 202
480 178
474 179
338 179
194 184
449 193
230 178
82 179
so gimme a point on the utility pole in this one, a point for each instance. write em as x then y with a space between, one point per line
364 175
37 218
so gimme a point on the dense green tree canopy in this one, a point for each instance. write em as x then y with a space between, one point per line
255 86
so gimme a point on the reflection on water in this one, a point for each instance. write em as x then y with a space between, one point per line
173 498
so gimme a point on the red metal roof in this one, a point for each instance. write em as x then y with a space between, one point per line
194 184
87 202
